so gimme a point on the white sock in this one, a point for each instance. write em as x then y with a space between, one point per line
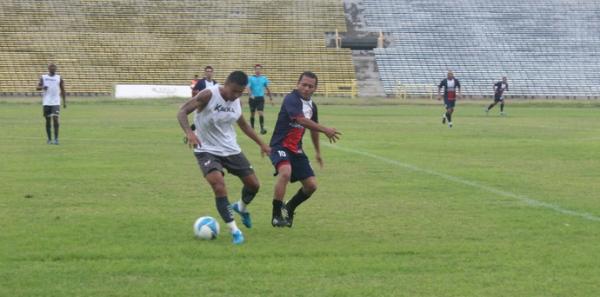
233 226
242 206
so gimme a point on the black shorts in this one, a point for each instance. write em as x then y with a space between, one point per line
258 103
301 168
237 165
51 110
498 98
449 103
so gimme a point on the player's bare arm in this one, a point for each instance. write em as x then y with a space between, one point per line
270 96
314 136
40 85
198 102
63 93
331 133
245 127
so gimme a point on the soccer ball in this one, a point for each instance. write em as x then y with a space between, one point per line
206 228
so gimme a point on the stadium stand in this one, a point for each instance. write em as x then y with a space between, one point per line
546 48
98 43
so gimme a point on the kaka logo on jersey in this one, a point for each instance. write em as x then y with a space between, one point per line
221 108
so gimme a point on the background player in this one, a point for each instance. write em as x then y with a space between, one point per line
452 92
499 89
53 89
205 82
257 84
215 145
297 112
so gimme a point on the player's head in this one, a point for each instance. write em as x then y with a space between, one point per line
52 68
504 79
208 72
234 85
307 84
450 74
257 69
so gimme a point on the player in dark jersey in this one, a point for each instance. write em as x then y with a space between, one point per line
298 113
499 89
452 92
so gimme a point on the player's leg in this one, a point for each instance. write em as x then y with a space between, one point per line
47 112
49 129
213 173
252 105
303 172
260 106
502 107
449 113
55 121
284 174
239 166
491 106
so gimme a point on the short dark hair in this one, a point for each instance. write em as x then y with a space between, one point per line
257 66
309 74
208 67
238 77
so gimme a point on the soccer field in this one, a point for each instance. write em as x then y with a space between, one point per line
496 206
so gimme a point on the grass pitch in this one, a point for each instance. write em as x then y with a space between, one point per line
496 206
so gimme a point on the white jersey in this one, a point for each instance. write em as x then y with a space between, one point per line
51 96
215 125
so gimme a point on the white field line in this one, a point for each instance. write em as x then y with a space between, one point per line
458 180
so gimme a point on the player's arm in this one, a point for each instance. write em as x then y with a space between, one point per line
269 94
245 127
439 94
307 123
198 102
459 89
63 93
314 136
40 85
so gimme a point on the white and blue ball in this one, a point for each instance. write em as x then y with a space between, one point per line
206 228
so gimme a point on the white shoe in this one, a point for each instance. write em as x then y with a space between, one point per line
449 124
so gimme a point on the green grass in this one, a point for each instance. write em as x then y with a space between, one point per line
109 212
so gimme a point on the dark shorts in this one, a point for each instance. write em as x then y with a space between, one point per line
498 98
51 110
258 103
301 168
237 165
449 103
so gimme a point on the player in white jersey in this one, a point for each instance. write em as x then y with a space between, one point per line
215 145
53 88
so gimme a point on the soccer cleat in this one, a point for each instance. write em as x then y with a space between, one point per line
48 141
278 221
487 111
55 141
502 113
246 220
237 237
263 131
449 124
289 216
444 119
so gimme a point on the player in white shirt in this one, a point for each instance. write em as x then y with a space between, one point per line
215 145
53 89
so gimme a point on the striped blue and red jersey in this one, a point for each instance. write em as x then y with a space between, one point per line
288 133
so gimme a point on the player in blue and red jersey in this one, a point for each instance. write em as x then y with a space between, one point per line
298 113
499 89
452 92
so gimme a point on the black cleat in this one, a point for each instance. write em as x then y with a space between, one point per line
263 131
279 221
444 119
289 216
